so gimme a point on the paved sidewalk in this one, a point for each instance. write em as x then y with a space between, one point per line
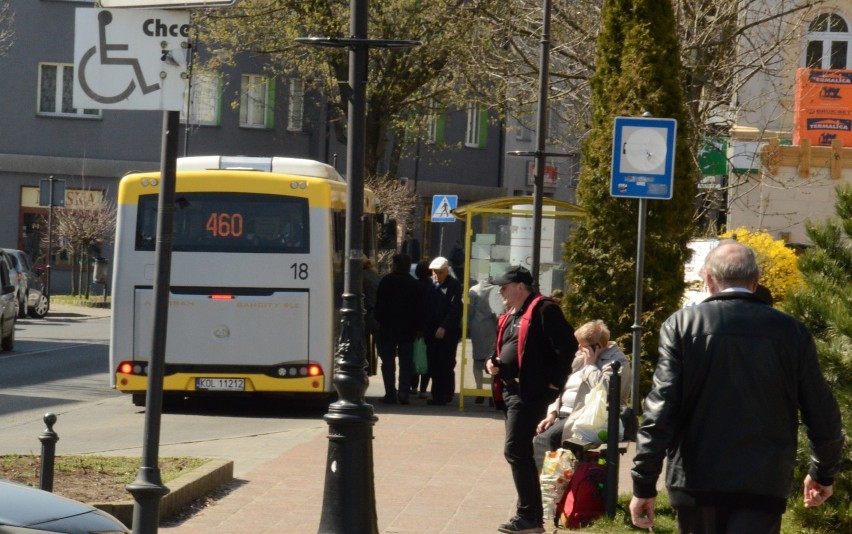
436 471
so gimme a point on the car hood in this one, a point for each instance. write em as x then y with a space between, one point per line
22 505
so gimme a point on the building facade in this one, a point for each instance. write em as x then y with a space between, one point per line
236 112
793 122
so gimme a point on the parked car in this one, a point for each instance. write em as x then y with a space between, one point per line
32 299
8 305
28 509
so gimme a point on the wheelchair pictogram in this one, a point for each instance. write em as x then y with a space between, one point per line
104 19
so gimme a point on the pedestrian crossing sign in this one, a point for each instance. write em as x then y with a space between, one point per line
442 207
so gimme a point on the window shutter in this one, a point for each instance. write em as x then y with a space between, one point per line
483 127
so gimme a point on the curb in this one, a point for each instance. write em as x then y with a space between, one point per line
183 490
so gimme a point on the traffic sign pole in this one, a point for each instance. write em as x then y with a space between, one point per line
642 167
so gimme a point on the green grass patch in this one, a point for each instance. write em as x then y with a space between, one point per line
665 522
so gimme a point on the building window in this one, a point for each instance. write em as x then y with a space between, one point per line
204 102
828 42
523 131
55 90
435 124
257 96
296 107
477 126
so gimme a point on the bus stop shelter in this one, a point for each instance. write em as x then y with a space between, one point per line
498 233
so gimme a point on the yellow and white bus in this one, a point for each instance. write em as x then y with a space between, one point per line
256 277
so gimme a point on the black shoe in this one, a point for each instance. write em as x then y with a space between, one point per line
404 400
433 402
521 525
389 399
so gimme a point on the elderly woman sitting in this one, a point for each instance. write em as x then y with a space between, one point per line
592 365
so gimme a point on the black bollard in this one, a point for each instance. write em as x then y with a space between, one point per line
48 440
613 418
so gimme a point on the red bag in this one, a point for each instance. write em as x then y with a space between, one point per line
584 500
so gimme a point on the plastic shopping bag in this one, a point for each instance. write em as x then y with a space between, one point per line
421 367
594 417
555 477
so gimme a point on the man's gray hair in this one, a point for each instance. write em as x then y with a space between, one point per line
732 264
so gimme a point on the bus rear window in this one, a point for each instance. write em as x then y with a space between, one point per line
229 222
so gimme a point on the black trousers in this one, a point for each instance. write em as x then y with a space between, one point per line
441 356
521 420
726 520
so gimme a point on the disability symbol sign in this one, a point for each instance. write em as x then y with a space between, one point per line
130 59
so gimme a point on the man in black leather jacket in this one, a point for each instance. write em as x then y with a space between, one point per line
732 376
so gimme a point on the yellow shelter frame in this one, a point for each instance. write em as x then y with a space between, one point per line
480 211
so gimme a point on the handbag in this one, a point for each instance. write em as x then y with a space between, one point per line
421 365
593 418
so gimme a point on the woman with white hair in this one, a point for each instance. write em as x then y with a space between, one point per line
592 365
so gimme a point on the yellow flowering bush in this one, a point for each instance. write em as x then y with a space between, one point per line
779 270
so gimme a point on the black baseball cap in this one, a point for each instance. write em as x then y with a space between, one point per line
514 274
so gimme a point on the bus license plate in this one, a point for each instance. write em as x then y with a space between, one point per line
220 384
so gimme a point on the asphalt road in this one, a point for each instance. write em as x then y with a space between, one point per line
60 365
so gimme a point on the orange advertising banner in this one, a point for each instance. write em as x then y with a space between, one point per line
823 106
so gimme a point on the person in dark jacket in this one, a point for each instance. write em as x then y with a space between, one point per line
424 281
732 377
399 312
411 246
442 331
535 347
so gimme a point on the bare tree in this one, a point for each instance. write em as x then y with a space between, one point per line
397 202
403 85
7 31
725 44
81 231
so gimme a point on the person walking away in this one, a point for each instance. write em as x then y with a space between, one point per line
482 324
531 362
399 312
732 377
442 331
592 365
371 326
424 281
411 246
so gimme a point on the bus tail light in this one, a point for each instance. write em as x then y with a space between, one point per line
221 297
133 368
300 370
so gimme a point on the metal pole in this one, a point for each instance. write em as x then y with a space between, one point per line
637 314
541 140
48 440
349 500
613 417
49 258
148 488
188 124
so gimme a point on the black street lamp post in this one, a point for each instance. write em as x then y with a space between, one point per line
541 140
349 500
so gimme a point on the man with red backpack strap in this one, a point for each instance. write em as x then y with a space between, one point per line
535 346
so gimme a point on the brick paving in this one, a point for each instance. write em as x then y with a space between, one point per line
437 470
